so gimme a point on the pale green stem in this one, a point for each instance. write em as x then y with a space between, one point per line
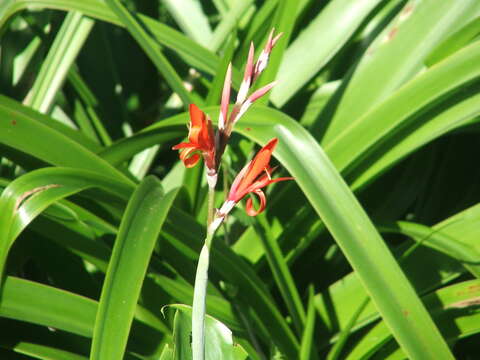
198 308
201 282
211 205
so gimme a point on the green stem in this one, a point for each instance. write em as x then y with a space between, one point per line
211 205
198 308
201 282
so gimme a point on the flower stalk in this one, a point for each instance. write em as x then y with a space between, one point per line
204 142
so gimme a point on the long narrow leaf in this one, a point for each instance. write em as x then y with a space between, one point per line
396 56
140 227
152 50
454 307
193 53
19 206
322 39
50 143
68 42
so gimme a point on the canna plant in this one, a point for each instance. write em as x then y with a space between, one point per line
370 253
251 179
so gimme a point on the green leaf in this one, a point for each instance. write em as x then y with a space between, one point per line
167 353
454 42
44 305
328 32
307 346
362 245
43 352
30 194
91 103
65 48
139 229
150 47
51 143
217 306
381 129
195 54
281 272
218 338
52 307
467 255
191 19
426 269
228 23
395 56
454 307
339 345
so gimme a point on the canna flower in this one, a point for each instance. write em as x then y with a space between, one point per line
201 139
254 176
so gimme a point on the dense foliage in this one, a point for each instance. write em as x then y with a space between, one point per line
371 253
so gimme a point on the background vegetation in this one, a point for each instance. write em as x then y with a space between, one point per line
371 253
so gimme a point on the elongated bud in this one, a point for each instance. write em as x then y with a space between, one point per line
275 39
252 98
247 77
262 61
262 91
227 85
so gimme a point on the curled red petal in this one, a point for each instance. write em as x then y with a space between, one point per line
263 203
189 157
191 161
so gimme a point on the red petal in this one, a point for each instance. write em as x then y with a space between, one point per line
182 146
197 123
196 116
259 163
263 203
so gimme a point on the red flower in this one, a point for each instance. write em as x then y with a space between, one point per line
253 177
201 139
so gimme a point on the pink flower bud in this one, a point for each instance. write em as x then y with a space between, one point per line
225 98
